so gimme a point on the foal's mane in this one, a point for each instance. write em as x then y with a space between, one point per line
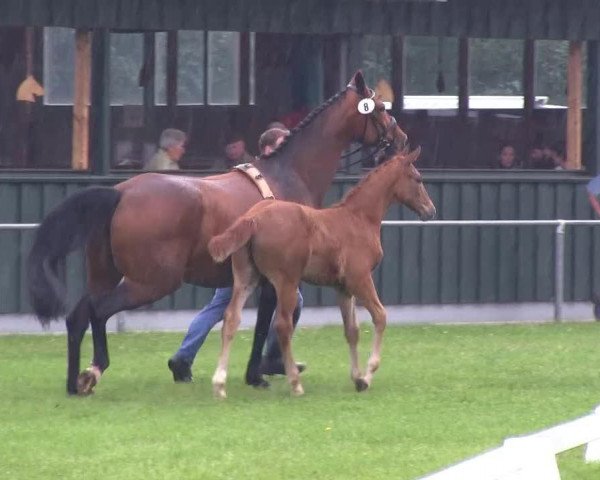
386 165
304 123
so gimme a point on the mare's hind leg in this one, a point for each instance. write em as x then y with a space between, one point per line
366 292
284 326
125 296
103 276
245 279
78 321
351 331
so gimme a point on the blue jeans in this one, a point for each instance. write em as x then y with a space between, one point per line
208 317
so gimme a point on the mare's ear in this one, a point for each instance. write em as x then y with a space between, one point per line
412 156
359 82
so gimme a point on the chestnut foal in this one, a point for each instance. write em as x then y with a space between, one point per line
337 246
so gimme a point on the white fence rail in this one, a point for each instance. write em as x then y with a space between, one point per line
530 457
559 252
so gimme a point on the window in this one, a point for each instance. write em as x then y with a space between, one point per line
376 58
126 59
431 66
59 74
222 70
496 67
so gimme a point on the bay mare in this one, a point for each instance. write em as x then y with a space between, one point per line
147 235
338 246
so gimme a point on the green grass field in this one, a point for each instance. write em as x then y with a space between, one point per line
441 395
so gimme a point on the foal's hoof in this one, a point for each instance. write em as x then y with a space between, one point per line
86 381
219 391
360 385
297 390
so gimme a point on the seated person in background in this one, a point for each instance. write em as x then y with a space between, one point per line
556 156
507 157
538 158
171 149
235 151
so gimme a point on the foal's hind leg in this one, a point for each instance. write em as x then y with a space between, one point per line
245 280
284 326
366 292
351 331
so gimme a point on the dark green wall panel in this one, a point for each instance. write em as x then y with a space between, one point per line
422 265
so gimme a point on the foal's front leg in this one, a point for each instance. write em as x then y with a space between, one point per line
351 331
366 292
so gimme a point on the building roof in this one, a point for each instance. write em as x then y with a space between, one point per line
552 19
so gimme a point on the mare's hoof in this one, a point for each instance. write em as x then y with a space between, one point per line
86 381
360 385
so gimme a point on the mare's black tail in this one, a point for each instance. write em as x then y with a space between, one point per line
65 229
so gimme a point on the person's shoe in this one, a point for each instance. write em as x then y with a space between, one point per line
182 371
275 367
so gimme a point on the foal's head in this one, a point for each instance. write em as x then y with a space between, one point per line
409 189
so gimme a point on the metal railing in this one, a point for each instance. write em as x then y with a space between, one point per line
559 249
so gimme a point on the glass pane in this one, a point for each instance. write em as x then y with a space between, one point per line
431 66
190 74
59 65
223 68
496 67
160 68
376 58
126 57
551 60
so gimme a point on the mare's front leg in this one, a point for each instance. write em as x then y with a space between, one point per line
244 282
284 326
266 306
351 331
365 291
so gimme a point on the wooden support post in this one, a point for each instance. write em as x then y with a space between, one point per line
81 100
463 77
172 54
528 96
398 74
574 102
244 68
100 101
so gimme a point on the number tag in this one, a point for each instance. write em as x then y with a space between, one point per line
366 106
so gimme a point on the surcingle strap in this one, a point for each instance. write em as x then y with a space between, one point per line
254 174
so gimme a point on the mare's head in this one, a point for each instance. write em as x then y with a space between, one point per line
371 123
408 188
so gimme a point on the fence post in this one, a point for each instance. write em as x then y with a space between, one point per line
559 270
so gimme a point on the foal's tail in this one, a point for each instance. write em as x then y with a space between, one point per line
65 229
231 240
